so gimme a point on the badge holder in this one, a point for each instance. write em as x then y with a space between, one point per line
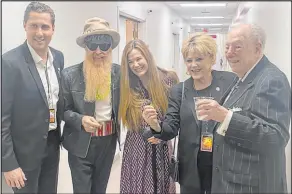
207 142
52 115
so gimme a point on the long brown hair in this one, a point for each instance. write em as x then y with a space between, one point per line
130 100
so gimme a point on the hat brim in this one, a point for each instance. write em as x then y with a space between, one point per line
114 34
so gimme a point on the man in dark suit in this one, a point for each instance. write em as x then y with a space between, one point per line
32 106
249 148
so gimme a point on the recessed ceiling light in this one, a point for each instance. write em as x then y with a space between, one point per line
209 24
204 5
215 29
208 17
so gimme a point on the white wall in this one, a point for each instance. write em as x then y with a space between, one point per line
70 22
275 19
157 29
69 25
122 31
134 9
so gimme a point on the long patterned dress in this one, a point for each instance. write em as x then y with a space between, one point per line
145 166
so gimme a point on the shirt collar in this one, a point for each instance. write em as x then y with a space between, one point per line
247 73
37 59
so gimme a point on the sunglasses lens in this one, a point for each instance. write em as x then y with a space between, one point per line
92 46
104 47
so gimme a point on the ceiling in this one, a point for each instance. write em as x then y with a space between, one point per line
228 12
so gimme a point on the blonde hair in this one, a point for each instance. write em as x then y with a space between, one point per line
200 43
130 100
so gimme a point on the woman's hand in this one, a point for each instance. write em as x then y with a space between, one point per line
149 114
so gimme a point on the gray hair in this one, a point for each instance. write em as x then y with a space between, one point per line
39 8
257 32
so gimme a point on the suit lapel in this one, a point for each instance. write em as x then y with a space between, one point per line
189 93
236 95
247 84
56 67
226 88
221 85
34 72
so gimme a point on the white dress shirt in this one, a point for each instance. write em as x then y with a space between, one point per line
53 81
225 124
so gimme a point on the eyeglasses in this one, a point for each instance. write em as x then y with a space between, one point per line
102 46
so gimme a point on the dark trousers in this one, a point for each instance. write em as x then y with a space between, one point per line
205 173
91 174
44 179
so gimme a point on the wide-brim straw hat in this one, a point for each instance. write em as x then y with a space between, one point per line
97 25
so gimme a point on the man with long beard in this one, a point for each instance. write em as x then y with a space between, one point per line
91 97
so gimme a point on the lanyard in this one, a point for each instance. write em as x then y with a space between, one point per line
50 100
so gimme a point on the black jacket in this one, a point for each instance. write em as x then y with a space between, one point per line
25 111
75 139
181 116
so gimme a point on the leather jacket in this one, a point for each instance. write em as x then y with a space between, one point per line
75 139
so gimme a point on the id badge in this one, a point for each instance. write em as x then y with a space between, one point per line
52 115
207 142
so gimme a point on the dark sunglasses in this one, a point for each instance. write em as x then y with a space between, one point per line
102 46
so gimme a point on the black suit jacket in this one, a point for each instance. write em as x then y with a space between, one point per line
25 111
181 116
75 139
250 158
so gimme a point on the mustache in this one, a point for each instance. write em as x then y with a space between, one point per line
90 57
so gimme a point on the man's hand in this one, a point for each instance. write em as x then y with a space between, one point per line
90 124
153 140
15 178
149 114
212 110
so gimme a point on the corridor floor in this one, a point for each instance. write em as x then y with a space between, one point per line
65 183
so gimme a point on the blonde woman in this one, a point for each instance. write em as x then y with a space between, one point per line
145 166
195 157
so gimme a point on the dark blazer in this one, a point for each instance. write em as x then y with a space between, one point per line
75 139
250 158
183 116
25 111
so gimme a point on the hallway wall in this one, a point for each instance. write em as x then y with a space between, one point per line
158 26
69 25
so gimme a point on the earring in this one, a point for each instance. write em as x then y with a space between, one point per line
187 73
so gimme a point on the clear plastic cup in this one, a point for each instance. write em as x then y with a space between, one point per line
196 100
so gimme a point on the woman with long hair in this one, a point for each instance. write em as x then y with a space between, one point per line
145 166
